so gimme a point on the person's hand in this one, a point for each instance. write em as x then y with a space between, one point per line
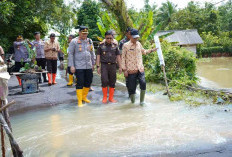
73 69
99 70
120 70
93 68
53 49
125 74
154 50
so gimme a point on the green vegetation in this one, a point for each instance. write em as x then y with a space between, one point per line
28 16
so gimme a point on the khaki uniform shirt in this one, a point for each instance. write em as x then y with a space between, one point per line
132 60
108 52
53 55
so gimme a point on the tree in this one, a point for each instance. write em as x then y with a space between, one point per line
26 17
194 17
119 9
225 12
88 15
165 13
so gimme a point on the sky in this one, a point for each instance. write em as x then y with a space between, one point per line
138 4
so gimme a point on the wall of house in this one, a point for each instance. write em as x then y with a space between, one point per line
192 48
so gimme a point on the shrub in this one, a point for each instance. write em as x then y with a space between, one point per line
180 65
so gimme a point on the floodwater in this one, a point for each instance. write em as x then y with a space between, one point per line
216 72
122 129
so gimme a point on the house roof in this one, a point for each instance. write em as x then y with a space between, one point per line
183 37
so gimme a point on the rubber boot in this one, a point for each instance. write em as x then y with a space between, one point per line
111 95
142 96
54 78
104 91
19 79
85 93
49 79
70 83
132 97
79 97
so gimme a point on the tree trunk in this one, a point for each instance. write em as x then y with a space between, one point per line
119 9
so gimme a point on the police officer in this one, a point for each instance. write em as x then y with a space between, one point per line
40 56
70 74
82 60
21 54
125 39
132 65
108 56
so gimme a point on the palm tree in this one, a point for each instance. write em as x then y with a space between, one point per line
165 12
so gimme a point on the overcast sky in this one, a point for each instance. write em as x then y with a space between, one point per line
180 3
138 4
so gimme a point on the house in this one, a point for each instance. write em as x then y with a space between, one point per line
184 38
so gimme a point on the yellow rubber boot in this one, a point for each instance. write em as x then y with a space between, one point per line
70 83
79 97
85 93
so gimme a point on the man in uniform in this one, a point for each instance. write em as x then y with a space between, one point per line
121 43
21 54
51 49
70 74
132 65
82 61
125 39
108 55
40 56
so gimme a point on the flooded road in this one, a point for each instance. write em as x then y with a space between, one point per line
122 129
216 72
159 128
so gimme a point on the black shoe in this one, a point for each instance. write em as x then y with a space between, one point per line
45 80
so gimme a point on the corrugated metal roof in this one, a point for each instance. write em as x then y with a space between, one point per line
183 37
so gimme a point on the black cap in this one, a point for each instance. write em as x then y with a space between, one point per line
128 29
52 35
72 36
83 29
134 33
36 33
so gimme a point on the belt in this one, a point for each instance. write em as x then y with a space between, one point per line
108 63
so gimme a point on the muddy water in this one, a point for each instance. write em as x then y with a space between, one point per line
216 72
122 129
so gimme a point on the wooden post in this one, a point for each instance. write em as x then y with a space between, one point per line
166 81
2 137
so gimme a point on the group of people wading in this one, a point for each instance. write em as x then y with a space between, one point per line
110 56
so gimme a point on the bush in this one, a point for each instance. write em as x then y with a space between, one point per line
180 65
221 43
208 51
